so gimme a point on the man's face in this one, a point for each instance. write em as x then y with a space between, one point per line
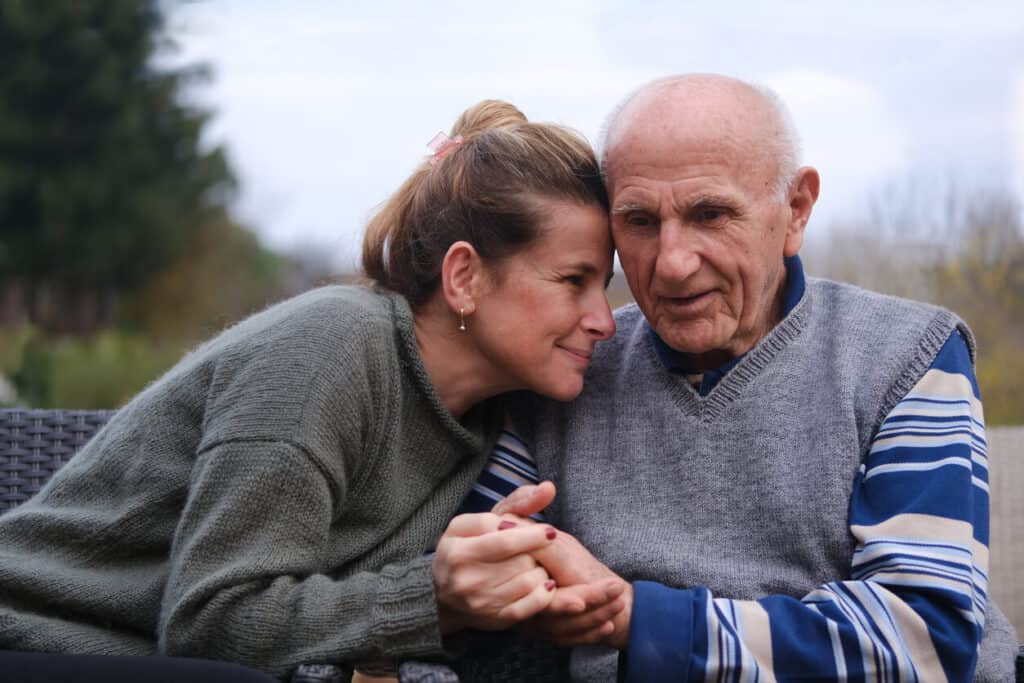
701 235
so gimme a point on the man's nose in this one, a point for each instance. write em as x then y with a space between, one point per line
678 252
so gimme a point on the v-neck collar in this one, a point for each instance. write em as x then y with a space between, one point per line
734 375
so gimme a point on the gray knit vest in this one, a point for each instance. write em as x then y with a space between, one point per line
746 490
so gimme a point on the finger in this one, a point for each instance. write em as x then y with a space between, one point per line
571 600
507 517
488 576
520 585
594 636
587 621
566 602
502 545
524 608
570 563
526 500
591 595
472 524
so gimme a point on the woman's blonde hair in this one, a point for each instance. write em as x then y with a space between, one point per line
487 190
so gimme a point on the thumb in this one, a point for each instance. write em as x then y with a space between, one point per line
526 500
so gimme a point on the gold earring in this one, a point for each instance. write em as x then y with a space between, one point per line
462 319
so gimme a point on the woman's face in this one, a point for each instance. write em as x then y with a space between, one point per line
545 308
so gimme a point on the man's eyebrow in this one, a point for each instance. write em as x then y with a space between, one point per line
710 200
630 206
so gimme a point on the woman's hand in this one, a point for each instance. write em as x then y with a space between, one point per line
489 580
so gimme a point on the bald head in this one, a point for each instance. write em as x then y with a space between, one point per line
738 114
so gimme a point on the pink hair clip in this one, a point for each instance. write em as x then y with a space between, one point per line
441 144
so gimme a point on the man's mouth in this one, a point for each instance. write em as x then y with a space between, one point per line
688 304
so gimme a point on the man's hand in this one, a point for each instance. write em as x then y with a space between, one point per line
581 577
571 565
598 623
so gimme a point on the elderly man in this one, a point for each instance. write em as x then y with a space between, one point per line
790 472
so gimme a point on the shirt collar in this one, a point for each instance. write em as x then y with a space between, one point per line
677 361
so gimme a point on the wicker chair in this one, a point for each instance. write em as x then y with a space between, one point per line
36 443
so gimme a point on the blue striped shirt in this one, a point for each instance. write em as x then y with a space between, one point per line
509 467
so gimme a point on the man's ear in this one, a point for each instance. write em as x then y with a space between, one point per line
461 277
802 195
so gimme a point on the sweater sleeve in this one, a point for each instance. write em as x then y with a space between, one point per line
246 584
913 607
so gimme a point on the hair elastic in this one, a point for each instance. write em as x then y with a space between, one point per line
441 144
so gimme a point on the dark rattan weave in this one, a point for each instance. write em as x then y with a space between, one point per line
36 443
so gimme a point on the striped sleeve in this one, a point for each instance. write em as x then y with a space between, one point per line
913 607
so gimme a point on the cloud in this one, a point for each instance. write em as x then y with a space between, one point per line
848 133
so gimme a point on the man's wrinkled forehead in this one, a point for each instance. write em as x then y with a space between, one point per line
728 118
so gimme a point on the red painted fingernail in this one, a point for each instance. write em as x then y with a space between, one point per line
505 524
550 584
551 533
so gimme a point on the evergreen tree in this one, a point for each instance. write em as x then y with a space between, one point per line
102 178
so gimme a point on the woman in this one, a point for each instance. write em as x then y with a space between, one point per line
269 501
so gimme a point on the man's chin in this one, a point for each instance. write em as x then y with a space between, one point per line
690 339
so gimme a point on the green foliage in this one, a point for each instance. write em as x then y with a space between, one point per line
224 275
13 342
102 177
100 372
105 371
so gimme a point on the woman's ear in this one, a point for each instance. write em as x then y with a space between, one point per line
461 277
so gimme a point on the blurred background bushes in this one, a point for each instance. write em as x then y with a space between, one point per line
958 248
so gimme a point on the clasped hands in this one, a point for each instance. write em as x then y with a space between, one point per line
500 569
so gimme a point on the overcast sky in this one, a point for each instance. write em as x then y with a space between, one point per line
324 107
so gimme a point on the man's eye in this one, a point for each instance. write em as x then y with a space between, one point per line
638 219
574 280
711 215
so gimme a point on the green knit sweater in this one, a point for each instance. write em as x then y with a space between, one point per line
268 501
